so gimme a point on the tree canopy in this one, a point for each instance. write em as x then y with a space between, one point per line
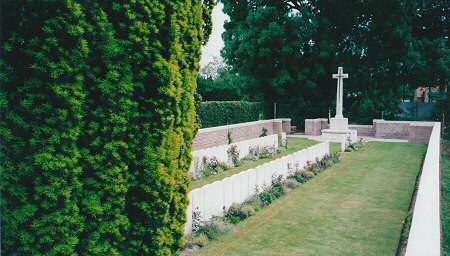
286 51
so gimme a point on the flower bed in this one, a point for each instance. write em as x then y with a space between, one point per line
216 160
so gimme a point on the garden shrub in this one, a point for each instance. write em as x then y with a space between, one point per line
248 210
199 240
292 183
217 113
264 132
214 228
276 190
233 155
97 122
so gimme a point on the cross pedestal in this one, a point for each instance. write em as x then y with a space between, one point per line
339 124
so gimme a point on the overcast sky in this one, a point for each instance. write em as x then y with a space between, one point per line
215 43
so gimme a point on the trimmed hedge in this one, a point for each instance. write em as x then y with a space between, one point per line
217 113
97 122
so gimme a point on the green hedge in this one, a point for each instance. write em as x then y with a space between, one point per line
217 113
97 122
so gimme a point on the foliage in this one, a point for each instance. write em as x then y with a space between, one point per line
264 132
261 152
446 196
217 113
97 122
239 212
284 51
354 146
212 166
233 154
271 193
312 168
217 82
230 136
213 228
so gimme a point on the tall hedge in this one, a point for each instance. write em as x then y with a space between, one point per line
217 113
97 122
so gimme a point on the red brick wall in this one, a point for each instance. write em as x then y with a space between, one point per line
363 130
217 136
420 132
416 132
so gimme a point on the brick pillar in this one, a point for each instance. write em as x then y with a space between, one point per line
277 126
286 125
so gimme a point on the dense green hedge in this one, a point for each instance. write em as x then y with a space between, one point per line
97 121
217 113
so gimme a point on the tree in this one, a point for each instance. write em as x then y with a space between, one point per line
217 82
286 51
98 118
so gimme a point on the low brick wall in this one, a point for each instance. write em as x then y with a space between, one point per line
416 132
363 130
217 136
392 129
420 132
413 131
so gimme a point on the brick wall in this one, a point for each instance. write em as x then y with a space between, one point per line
420 132
416 132
392 130
315 126
217 136
363 130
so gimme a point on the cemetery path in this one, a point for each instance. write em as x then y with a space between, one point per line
356 207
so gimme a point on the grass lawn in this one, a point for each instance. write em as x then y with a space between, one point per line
354 208
294 145
446 196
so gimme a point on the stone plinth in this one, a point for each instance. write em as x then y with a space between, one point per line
339 123
339 135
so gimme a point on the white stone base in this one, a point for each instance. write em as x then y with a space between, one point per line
339 123
339 135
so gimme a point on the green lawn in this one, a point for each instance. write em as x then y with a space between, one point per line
294 145
446 196
354 208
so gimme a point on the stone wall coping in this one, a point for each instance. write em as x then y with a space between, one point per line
427 124
283 119
317 119
231 126
361 125
393 122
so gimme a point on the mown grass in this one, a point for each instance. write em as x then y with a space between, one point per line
354 208
294 145
446 197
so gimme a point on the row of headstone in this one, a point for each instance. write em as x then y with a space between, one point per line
213 199
243 147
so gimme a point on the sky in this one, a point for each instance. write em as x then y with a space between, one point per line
215 43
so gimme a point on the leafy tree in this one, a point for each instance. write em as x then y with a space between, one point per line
216 81
97 122
285 51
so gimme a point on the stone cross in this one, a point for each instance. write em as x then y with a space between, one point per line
340 84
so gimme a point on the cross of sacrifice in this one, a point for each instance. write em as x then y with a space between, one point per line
340 84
